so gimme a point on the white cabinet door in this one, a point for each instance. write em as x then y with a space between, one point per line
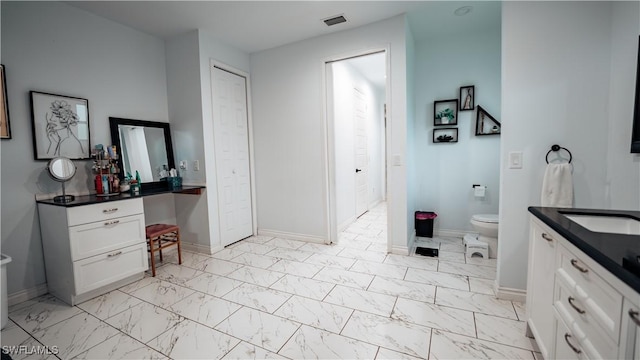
231 135
540 286
630 336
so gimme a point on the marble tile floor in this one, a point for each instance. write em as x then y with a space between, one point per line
283 299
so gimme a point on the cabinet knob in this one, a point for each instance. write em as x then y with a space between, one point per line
115 254
633 314
108 211
574 262
575 349
571 300
547 237
111 222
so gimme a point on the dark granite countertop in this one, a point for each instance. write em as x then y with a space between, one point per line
94 199
618 253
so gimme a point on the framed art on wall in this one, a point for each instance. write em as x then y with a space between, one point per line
486 124
5 129
60 126
467 98
445 112
445 135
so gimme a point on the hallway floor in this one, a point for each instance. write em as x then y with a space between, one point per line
274 298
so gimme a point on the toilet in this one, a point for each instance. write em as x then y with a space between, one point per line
487 226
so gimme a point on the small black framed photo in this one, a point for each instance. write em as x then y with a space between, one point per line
445 135
5 129
60 126
445 112
467 98
486 124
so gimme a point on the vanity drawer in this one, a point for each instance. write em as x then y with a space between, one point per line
577 310
101 270
100 237
572 342
78 215
594 293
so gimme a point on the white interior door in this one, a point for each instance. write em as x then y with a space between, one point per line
231 136
361 156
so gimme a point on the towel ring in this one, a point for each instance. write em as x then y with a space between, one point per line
556 147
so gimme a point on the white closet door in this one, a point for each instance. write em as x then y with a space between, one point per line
361 156
231 136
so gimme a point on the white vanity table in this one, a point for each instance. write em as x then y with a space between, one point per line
582 301
94 245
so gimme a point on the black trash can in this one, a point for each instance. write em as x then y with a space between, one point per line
424 223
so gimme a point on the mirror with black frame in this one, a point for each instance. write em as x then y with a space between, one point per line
145 147
635 133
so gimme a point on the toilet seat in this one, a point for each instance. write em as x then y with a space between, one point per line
486 218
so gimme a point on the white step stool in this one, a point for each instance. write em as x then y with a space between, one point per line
475 246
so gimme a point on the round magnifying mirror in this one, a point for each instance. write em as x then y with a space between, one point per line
62 169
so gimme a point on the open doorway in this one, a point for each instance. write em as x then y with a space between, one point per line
356 109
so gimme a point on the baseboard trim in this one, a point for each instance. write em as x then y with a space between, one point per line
27 294
452 233
292 236
345 224
399 250
203 249
510 294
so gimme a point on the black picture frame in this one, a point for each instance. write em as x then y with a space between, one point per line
442 108
60 125
467 98
493 127
5 125
445 135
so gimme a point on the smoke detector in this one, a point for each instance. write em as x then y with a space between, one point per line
461 11
334 20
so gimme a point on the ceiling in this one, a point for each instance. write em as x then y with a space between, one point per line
253 26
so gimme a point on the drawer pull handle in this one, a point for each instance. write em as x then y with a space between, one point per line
115 254
574 262
571 300
109 211
633 314
575 349
547 237
111 222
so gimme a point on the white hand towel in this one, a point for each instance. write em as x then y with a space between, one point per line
557 186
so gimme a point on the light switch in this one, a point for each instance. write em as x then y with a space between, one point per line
515 160
397 160
183 164
196 165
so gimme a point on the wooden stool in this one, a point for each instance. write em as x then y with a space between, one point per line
161 236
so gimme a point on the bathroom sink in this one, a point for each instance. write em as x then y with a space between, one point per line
606 223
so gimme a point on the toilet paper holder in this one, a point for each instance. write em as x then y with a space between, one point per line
477 185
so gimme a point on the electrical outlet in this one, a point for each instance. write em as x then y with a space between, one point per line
196 165
183 164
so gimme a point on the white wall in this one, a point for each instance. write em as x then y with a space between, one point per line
345 78
289 126
412 177
623 168
189 89
53 47
446 172
557 82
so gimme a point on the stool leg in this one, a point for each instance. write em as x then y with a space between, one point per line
153 257
179 249
160 247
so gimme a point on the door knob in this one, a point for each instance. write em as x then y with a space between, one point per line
358 170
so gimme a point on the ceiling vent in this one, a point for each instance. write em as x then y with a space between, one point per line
335 20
